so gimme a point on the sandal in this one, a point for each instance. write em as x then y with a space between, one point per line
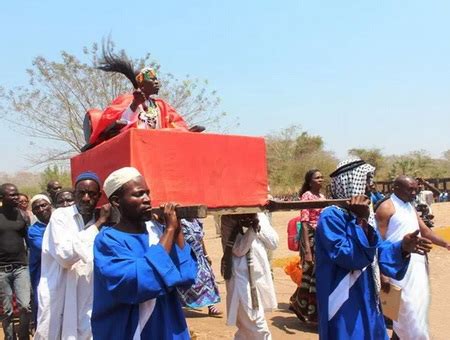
214 311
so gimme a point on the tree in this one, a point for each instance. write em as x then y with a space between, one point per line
55 173
291 152
306 144
447 155
417 164
53 105
371 156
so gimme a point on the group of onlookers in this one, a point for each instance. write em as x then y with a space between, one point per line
22 224
349 254
90 276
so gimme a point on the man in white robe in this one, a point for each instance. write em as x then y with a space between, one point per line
65 290
395 218
241 309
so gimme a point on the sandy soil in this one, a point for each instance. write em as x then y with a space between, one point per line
283 323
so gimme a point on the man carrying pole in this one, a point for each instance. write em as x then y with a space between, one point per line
246 269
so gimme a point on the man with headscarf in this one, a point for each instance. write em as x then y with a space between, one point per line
138 263
41 207
65 288
349 252
396 217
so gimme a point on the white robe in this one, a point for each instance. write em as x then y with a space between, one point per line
238 287
412 323
65 290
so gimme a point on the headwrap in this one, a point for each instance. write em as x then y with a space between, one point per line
146 74
350 178
118 178
88 175
39 197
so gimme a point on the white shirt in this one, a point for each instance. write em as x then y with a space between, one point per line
65 290
238 287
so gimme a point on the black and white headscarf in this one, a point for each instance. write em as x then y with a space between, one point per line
350 178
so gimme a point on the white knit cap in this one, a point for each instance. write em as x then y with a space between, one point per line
39 197
118 178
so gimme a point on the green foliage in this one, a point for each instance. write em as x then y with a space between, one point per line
417 164
290 154
306 144
55 173
371 156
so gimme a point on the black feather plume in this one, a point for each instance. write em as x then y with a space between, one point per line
119 64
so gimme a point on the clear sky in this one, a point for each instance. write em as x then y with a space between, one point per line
358 73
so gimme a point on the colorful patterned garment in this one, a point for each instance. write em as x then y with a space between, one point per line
303 301
311 215
204 292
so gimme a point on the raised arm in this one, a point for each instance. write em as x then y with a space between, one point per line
345 242
430 187
244 243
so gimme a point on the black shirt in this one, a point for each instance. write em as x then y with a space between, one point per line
13 230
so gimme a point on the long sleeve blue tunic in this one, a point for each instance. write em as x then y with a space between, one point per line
127 273
342 247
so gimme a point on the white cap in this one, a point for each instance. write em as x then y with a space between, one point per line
39 197
118 178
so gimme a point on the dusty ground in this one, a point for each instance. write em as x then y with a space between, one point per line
283 323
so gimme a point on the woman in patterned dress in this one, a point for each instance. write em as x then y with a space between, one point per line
303 301
204 292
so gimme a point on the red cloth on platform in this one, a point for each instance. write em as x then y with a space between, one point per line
169 116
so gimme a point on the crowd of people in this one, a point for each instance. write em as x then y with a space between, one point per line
74 270
74 273
360 251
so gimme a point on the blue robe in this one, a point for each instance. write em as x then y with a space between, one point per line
127 272
34 241
341 247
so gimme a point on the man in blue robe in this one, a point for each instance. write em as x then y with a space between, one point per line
42 209
349 252
138 264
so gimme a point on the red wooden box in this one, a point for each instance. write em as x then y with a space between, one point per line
185 167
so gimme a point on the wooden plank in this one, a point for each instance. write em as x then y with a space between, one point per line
190 211
201 211
298 205
273 205
235 210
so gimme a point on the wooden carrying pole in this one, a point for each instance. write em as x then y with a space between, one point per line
201 211
298 205
190 211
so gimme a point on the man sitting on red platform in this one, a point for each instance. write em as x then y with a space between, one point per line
138 109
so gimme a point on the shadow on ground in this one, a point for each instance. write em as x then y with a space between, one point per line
290 324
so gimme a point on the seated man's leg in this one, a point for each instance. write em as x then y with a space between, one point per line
6 295
22 288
